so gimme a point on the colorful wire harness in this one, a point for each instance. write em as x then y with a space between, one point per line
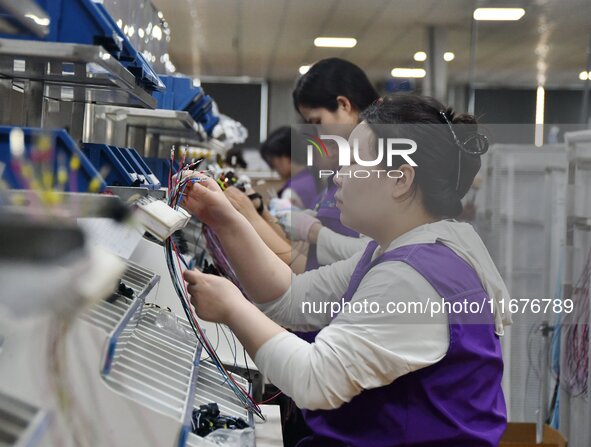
175 262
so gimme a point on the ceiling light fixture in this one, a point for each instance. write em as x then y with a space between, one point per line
539 131
501 14
420 56
449 56
408 72
335 42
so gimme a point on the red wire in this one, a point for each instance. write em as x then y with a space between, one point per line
203 338
209 348
270 398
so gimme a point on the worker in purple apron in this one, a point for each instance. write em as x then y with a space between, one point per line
331 95
300 187
395 362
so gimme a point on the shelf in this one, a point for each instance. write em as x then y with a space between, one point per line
71 204
20 423
531 222
582 223
110 316
23 16
159 368
72 72
156 367
164 122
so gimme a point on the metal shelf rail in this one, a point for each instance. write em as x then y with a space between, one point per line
21 423
155 366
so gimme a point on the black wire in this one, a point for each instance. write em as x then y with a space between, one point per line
248 377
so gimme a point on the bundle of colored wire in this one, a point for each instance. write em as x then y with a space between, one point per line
575 328
214 248
178 187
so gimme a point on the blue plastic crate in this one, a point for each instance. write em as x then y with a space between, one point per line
161 168
89 23
124 166
28 172
181 94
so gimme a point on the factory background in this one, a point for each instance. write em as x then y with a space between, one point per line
96 97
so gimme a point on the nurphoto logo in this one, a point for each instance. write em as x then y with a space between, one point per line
387 147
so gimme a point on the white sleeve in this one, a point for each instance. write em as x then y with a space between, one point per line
332 246
291 195
359 351
297 309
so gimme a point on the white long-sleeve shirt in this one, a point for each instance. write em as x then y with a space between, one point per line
332 246
358 351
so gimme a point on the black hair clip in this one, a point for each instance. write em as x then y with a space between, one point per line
476 144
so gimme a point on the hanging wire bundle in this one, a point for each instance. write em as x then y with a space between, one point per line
575 329
215 250
175 261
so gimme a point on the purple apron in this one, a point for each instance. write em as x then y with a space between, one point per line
456 402
304 185
329 216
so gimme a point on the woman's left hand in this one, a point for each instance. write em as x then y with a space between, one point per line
242 203
213 297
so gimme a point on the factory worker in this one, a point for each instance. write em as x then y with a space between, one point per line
300 187
331 94
371 378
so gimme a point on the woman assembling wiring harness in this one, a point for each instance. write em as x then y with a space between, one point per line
377 378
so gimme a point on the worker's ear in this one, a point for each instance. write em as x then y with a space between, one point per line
402 186
344 104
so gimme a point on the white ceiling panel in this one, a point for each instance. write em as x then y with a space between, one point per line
272 38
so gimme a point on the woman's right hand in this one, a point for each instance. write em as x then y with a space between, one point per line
206 201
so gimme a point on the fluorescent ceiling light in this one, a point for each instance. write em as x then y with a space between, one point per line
335 42
583 76
539 131
498 13
408 73
304 69
448 56
420 56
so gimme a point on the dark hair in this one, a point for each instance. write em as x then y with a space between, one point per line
329 78
284 142
235 159
438 152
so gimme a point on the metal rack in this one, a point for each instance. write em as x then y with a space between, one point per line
69 203
525 218
154 366
92 74
20 423
19 18
142 129
50 83
575 411
120 317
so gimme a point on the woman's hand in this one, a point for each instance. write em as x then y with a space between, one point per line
218 300
214 297
297 224
241 203
206 201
